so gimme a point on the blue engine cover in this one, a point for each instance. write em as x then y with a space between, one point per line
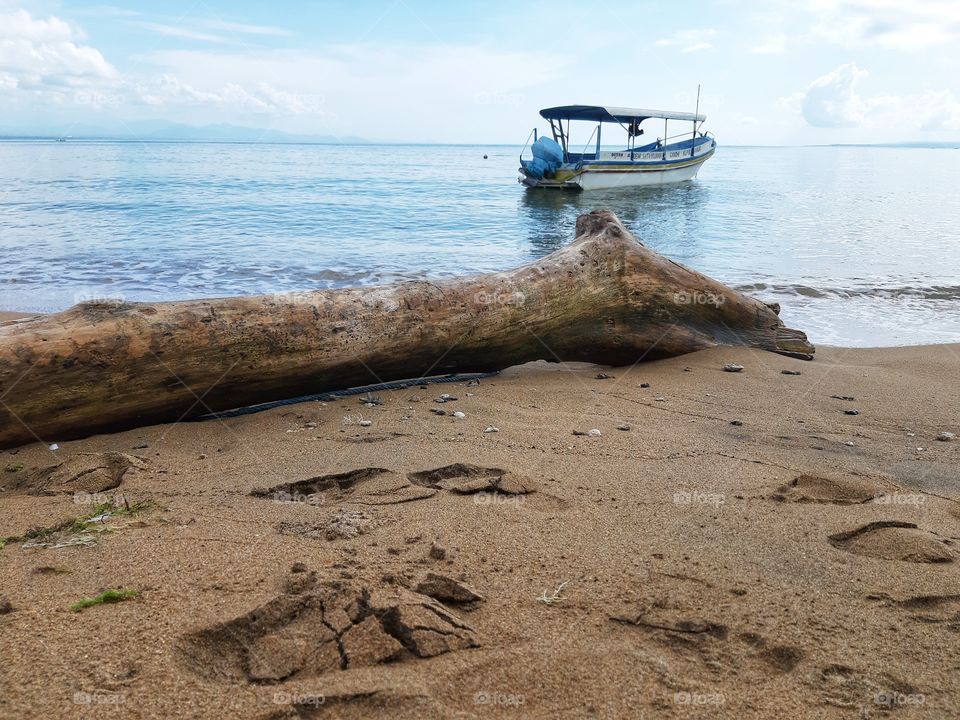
548 150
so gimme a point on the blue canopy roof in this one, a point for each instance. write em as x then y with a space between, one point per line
598 113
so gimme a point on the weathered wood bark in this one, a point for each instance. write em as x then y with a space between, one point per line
604 298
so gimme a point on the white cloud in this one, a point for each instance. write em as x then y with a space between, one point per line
372 89
180 31
198 30
689 41
47 54
894 24
833 101
245 28
375 84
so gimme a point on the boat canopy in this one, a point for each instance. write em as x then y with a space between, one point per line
597 113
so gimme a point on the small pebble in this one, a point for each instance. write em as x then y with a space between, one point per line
594 433
365 423
851 412
459 414
789 372
141 446
849 443
843 397
738 423
310 425
491 428
437 552
945 436
203 456
603 376
624 426
438 411
5 605
732 367
644 385
54 446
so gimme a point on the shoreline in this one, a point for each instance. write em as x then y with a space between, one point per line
743 543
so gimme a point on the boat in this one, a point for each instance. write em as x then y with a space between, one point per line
666 160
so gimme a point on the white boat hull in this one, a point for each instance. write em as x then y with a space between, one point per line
605 180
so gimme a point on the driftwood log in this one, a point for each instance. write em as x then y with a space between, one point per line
604 298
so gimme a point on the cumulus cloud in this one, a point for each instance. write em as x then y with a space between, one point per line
833 101
47 54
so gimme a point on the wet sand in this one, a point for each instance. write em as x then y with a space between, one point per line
745 549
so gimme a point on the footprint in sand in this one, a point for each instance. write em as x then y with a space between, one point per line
366 486
83 472
844 687
324 627
837 491
894 540
934 609
465 479
379 486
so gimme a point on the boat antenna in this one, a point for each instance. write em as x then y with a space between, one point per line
693 138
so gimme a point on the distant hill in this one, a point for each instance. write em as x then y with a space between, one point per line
935 145
149 130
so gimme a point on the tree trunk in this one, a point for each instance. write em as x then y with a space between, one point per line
604 298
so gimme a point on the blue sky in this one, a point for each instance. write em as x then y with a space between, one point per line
409 70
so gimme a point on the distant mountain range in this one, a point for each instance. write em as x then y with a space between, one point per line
156 131
934 145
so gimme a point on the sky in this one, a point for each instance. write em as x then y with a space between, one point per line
772 72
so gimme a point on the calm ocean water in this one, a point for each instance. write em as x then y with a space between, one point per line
861 246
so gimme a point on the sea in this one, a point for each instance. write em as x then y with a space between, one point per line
859 245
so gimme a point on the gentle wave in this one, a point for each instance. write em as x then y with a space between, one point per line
951 292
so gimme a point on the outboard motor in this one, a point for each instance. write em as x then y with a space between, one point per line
547 157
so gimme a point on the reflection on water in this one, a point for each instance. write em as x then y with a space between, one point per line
551 213
858 245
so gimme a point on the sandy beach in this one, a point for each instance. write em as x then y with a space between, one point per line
729 545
